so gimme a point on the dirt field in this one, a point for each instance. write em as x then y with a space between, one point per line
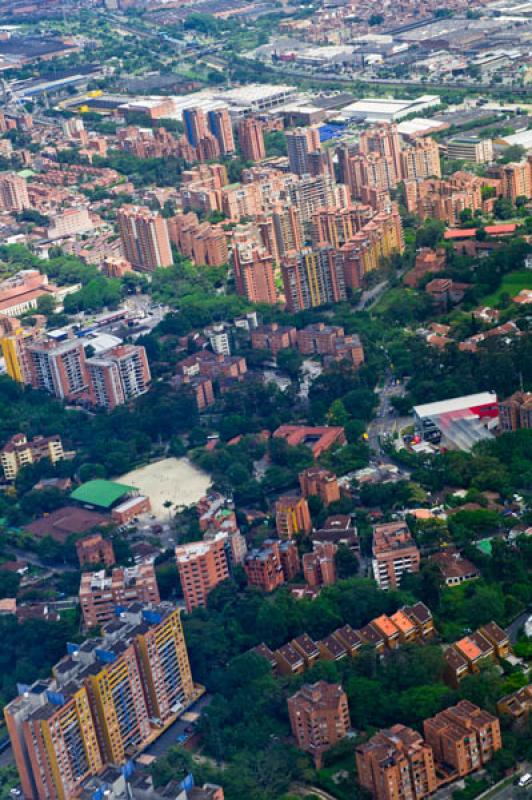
174 479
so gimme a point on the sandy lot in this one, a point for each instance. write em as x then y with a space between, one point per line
174 479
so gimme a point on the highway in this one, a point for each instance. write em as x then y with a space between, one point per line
361 80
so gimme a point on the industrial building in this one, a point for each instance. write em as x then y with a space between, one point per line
459 422
379 109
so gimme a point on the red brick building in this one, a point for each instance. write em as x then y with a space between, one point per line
95 549
394 553
292 516
201 566
271 565
464 737
319 566
251 139
99 595
396 762
319 717
319 481
273 337
318 439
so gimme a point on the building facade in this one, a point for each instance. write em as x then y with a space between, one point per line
100 595
394 554
107 699
292 516
19 452
145 240
319 717
201 566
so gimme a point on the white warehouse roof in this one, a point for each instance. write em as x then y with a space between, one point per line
523 139
428 410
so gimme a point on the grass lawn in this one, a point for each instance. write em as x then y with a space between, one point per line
389 299
511 284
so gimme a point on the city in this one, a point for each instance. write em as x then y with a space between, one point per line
265 400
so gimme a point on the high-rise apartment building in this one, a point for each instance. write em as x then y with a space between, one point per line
292 516
201 566
195 122
373 172
202 242
119 375
383 140
108 698
58 367
118 699
209 133
319 717
517 180
100 595
288 230
320 162
254 273
463 736
222 129
144 236
18 452
313 277
165 666
15 356
251 139
54 740
394 553
13 192
312 193
396 763
300 142
421 160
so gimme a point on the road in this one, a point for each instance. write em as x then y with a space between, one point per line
386 420
169 738
370 296
330 78
305 790
510 791
513 628
35 561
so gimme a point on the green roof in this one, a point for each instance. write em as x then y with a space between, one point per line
101 493
485 546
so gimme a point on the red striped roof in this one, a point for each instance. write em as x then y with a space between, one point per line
469 233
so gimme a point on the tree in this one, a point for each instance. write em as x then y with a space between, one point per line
346 562
514 153
9 583
503 208
46 304
290 361
466 217
430 233
337 414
